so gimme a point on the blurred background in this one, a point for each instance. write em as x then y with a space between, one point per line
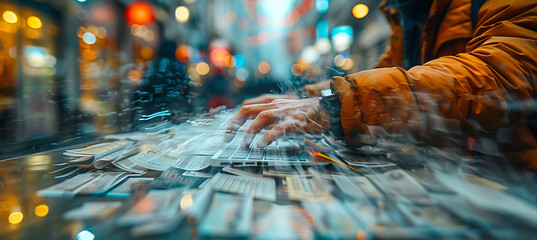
72 70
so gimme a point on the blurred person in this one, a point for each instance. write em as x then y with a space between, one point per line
446 63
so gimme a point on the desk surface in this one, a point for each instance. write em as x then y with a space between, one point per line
476 198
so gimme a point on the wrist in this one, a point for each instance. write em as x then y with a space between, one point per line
332 107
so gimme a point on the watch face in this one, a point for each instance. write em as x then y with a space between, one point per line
327 92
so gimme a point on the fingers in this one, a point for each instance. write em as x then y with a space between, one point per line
243 114
262 120
256 100
265 98
277 131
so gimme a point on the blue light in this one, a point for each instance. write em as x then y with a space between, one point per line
343 29
240 60
275 10
322 5
85 235
342 37
322 29
81 0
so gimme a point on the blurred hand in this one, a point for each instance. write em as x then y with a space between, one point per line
267 98
305 115
314 90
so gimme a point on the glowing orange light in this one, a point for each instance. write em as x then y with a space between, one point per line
182 53
10 17
360 10
146 52
139 12
361 235
263 67
202 68
347 64
297 69
41 210
218 56
134 75
15 217
81 31
193 74
34 22
89 54
229 61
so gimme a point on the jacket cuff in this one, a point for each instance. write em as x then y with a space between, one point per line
379 97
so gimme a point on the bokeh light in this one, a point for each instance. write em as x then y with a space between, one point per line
360 10
310 54
229 61
219 55
85 235
182 14
239 82
15 217
264 67
192 73
186 201
339 60
146 52
139 12
347 64
342 37
183 53
322 29
202 68
89 54
322 5
243 73
34 22
297 69
89 38
240 60
323 45
134 75
101 32
10 17
41 210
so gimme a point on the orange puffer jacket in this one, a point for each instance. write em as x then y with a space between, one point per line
479 80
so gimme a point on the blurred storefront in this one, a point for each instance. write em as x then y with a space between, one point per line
77 69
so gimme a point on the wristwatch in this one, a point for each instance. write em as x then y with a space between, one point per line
330 101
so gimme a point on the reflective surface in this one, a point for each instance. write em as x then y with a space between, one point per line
416 193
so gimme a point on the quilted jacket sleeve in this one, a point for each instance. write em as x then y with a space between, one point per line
491 85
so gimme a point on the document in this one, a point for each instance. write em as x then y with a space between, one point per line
260 188
229 216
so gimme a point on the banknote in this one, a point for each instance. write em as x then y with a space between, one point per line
229 216
92 210
69 187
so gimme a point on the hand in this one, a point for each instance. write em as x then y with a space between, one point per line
267 98
305 115
314 90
